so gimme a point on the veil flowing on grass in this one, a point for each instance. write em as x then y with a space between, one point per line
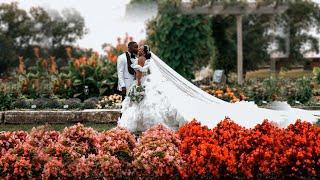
193 103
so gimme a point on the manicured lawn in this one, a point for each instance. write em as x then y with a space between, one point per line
285 74
58 127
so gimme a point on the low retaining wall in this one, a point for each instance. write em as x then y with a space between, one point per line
60 117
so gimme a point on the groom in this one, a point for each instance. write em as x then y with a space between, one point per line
124 69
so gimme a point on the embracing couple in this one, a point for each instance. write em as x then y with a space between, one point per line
144 104
128 65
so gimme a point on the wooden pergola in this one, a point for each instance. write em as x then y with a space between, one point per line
238 10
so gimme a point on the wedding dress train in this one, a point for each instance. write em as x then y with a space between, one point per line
172 101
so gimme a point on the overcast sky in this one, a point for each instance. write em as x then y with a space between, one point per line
105 19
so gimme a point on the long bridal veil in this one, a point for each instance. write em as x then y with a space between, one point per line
193 103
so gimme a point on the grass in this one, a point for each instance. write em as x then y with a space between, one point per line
57 127
285 74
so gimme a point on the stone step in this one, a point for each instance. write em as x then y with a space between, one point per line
60 117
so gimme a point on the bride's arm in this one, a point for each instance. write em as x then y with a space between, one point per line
138 77
141 62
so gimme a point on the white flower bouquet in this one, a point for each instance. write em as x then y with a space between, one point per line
136 93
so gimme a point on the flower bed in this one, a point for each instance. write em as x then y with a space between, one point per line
104 102
193 152
297 92
231 151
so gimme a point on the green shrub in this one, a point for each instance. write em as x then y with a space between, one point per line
22 103
54 104
304 91
5 100
42 103
90 103
73 103
316 73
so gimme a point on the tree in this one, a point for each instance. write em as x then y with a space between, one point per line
21 31
256 41
296 23
14 33
223 29
183 41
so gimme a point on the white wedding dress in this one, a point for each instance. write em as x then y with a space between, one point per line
172 101
155 108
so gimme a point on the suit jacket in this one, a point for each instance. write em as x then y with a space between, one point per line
125 79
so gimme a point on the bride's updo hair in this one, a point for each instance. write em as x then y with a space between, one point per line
147 51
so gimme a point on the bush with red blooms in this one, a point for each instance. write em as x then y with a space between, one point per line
157 154
194 152
84 140
266 151
22 162
42 137
119 142
9 140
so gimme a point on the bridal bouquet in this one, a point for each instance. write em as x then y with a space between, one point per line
137 93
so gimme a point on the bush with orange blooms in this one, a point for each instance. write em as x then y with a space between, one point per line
122 46
227 94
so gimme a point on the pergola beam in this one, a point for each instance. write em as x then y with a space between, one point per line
220 9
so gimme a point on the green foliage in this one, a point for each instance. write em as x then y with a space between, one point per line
99 79
183 41
316 73
298 91
6 100
271 87
279 89
304 91
256 92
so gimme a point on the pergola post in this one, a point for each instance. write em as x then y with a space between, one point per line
239 50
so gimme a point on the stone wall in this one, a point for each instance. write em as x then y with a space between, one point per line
60 117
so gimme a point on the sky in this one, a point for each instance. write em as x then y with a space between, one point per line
105 19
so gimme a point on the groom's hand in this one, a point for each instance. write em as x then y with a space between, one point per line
124 90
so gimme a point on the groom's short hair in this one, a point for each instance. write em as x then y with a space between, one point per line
131 43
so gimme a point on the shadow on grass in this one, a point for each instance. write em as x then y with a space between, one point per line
57 127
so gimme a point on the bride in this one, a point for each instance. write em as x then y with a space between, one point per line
161 95
146 104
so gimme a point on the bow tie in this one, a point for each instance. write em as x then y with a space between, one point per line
133 56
